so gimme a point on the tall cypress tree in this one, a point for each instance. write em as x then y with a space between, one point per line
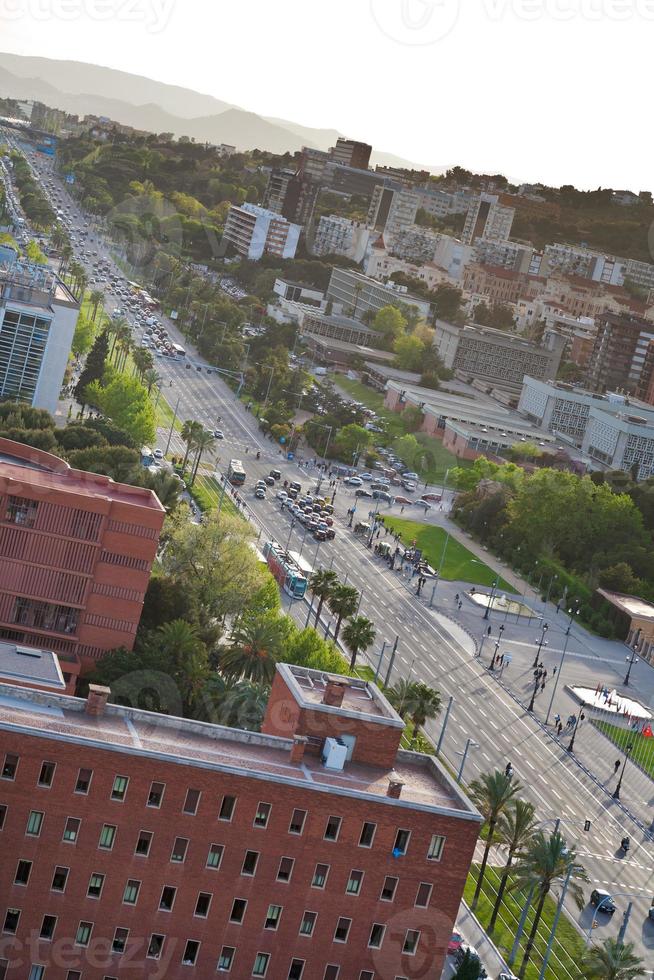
94 367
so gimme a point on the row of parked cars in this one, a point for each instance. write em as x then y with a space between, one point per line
312 511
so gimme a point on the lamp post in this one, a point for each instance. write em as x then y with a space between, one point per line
580 717
627 752
541 642
558 673
497 647
469 742
491 599
537 677
633 659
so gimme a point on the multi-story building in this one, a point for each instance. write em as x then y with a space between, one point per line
618 358
76 550
255 231
316 850
517 256
354 294
415 244
341 236
440 203
290 194
579 261
382 265
339 328
351 153
499 358
38 314
487 218
410 178
494 284
392 209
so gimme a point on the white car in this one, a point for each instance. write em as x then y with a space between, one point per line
281 495
423 504
158 454
353 481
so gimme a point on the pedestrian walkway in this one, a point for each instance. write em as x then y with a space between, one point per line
473 933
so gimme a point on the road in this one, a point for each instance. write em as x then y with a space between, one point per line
434 649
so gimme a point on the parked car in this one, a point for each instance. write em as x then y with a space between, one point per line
276 474
433 497
158 454
402 500
602 901
362 492
353 481
281 495
382 495
260 493
422 503
269 481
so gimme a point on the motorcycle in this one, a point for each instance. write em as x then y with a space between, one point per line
625 844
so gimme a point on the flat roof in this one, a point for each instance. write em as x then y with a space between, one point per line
29 665
179 741
359 699
632 605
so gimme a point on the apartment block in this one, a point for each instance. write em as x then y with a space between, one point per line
392 209
618 358
351 153
487 218
353 294
38 314
516 256
341 236
77 550
316 850
255 231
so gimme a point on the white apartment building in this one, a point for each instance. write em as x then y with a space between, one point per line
415 244
487 218
575 260
341 236
442 203
381 265
255 231
392 209
517 256
38 315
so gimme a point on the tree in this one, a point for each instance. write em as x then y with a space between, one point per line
179 642
190 431
166 486
400 696
150 378
389 321
425 704
257 643
127 403
544 861
358 634
447 302
321 584
613 960
83 336
121 464
96 299
342 601
203 441
143 362
351 440
492 793
94 367
409 352
469 968
515 829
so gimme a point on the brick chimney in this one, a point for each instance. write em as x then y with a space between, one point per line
298 747
334 692
394 789
96 700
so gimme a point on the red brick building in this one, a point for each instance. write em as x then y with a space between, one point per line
151 846
76 550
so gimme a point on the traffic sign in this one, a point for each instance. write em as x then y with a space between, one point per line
290 455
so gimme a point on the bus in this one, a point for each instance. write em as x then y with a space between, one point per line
284 570
147 456
236 473
179 350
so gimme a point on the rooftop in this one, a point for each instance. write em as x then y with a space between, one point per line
426 786
360 698
632 605
27 665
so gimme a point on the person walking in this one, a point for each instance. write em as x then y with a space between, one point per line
616 766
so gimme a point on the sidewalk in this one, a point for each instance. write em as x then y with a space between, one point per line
469 927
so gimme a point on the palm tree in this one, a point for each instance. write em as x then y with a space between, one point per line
204 440
613 960
400 696
150 378
143 361
97 299
244 705
515 828
492 793
190 430
425 703
166 486
179 641
66 256
358 634
321 584
116 327
544 860
342 601
257 641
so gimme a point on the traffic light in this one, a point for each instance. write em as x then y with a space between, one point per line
586 825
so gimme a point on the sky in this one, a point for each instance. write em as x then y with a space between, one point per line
541 90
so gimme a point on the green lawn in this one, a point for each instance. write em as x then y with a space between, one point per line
643 748
569 947
206 491
458 564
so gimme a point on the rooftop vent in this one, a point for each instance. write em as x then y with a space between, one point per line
334 692
28 652
96 701
394 788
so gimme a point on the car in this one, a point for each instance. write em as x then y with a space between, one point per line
294 485
422 503
320 534
281 495
410 475
454 943
435 497
602 901
409 486
366 476
188 367
363 492
261 483
218 434
353 481
269 481
402 500
276 474
198 368
292 494
158 454
260 493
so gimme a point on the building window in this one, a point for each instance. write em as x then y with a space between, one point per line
72 975
23 870
155 946
366 975
202 905
215 856
250 863
367 834
332 829
47 774
376 935
192 801
83 935
59 879
191 952
239 906
331 972
179 850
96 882
353 886
84 777
401 845
436 846
12 918
107 836
37 972
3 817
155 796
167 899
131 892
272 917
411 941
9 767
296 825
423 895
21 511
261 961
226 958
119 788
71 829
342 930
262 815
285 869
388 891
34 823
320 876
295 970
120 940
143 842
308 923
227 808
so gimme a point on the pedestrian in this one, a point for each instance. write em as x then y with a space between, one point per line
559 728
460 605
402 509
557 718
616 765
542 687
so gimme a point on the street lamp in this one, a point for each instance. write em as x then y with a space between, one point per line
491 599
627 752
497 647
469 742
559 671
633 659
537 680
541 642
580 717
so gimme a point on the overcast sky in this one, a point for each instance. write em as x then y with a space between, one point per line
552 90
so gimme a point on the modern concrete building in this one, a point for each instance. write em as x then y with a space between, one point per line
338 327
354 294
618 357
254 231
392 209
517 256
487 218
152 844
76 550
351 153
341 236
38 314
